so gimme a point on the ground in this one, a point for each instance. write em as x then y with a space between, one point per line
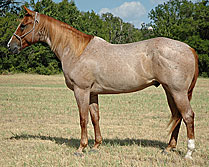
39 126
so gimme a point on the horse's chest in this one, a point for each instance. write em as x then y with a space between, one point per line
69 82
80 75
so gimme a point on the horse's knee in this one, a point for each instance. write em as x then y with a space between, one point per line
83 122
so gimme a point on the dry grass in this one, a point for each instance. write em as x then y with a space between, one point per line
39 126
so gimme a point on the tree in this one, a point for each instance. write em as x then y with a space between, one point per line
8 24
11 6
118 32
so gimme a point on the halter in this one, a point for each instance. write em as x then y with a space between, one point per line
22 36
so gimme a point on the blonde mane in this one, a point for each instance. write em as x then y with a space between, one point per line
63 35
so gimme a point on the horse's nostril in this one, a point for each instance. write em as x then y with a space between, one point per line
13 48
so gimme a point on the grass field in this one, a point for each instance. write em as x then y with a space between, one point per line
39 126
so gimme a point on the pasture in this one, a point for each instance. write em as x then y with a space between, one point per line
39 126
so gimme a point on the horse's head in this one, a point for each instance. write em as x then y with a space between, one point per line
26 33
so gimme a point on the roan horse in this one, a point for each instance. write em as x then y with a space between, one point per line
93 66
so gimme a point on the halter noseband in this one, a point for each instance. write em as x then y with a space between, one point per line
22 36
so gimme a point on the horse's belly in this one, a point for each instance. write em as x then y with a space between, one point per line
120 86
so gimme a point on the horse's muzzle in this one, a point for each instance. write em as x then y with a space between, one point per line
13 48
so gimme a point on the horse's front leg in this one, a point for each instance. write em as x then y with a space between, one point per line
94 111
82 98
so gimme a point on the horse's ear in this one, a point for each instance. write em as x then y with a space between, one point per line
30 12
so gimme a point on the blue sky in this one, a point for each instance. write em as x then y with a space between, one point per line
132 11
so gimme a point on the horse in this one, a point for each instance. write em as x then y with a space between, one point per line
92 66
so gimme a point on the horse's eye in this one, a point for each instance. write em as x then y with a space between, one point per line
22 27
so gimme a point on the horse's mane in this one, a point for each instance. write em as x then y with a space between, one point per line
63 35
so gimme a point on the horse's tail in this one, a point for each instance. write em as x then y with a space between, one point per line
176 118
195 75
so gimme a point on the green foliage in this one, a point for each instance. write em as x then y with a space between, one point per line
184 21
11 6
39 58
8 24
177 19
119 32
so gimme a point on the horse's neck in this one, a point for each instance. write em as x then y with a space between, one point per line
64 40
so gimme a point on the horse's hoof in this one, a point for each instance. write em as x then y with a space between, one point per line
165 152
79 154
93 151
188 157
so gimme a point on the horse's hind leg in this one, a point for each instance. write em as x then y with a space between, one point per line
183 105
176 119
94 111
